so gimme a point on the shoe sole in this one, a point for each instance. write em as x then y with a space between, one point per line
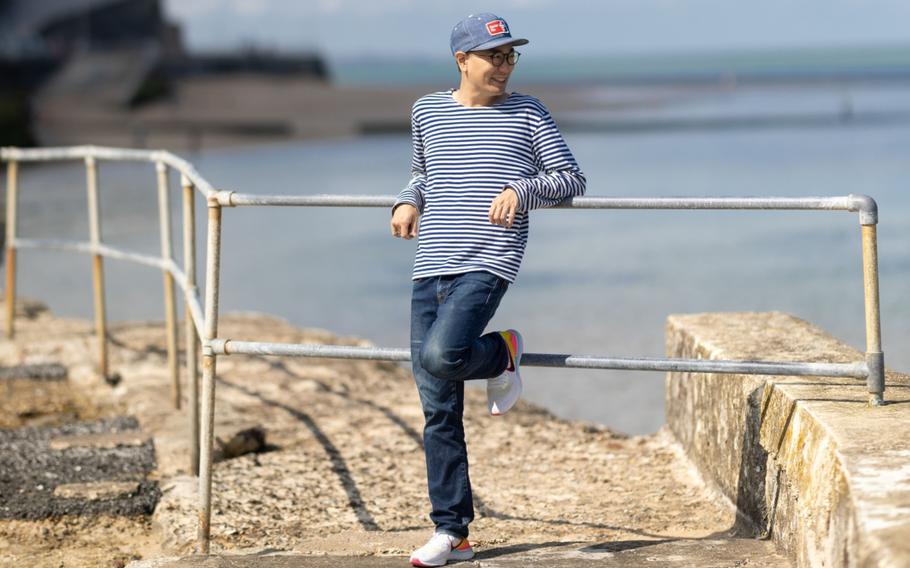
519 352
455 555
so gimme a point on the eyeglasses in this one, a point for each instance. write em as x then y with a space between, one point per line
497 57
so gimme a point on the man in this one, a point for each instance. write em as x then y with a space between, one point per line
483 158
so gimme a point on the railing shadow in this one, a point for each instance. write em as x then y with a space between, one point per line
482 507
339 466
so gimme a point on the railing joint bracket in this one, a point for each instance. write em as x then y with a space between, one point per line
217 346
223 198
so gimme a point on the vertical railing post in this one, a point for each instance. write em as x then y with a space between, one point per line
12 198
212 266
170 308
94 217
189 267
874 357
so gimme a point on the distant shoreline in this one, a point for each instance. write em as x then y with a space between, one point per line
244 109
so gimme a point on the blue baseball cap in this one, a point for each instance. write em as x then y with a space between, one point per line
482 31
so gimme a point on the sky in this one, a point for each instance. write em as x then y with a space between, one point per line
342 29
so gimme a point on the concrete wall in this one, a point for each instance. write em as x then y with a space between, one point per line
805 460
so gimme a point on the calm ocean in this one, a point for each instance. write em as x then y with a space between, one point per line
593 282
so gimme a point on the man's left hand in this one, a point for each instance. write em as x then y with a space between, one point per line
502 210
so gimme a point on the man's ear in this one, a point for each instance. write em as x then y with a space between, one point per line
460 58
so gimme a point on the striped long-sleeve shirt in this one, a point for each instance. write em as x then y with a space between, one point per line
463 158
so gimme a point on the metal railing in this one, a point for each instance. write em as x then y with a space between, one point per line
202 323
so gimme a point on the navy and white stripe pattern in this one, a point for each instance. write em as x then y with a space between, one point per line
463 158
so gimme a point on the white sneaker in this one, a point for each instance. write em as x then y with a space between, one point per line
503 391
440 549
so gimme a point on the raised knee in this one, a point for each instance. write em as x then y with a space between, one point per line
439 362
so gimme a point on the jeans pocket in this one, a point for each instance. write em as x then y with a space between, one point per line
496 292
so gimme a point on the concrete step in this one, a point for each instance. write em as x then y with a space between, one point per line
719 552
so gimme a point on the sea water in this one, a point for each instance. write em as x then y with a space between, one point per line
592 282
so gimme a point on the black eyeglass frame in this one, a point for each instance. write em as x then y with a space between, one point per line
497 58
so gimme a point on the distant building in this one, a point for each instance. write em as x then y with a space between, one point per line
66 59
56 29
104 51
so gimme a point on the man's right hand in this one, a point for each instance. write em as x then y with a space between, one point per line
404 221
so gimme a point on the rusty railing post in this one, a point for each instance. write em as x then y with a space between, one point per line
170 307
192 340
12 194
212 267
94 217
874 356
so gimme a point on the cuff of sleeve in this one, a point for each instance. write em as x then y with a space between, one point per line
522 192
408 200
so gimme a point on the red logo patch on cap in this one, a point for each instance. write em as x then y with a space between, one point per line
496 27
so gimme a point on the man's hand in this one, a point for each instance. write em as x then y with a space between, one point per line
502 210
404 221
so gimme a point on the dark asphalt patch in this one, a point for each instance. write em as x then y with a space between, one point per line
36 372
30 471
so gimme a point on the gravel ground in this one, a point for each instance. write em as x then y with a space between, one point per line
30 471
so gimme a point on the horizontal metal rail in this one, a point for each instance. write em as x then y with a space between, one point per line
191 295
853 203
105 153
191 182
858 370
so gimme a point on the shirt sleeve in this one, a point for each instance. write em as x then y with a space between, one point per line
414 192
559 177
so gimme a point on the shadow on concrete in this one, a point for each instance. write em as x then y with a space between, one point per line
482 508
150 348
339 466
493 514
488 554
280 366
600 551
344 474
752 516
621 545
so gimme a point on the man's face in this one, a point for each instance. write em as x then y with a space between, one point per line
478 70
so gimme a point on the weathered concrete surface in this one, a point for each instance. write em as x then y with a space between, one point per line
676 553
38 391
35 401
803 458
346 479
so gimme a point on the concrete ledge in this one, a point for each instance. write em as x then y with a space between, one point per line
105 440
805 460
97 490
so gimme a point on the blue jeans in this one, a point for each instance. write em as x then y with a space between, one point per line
448 316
